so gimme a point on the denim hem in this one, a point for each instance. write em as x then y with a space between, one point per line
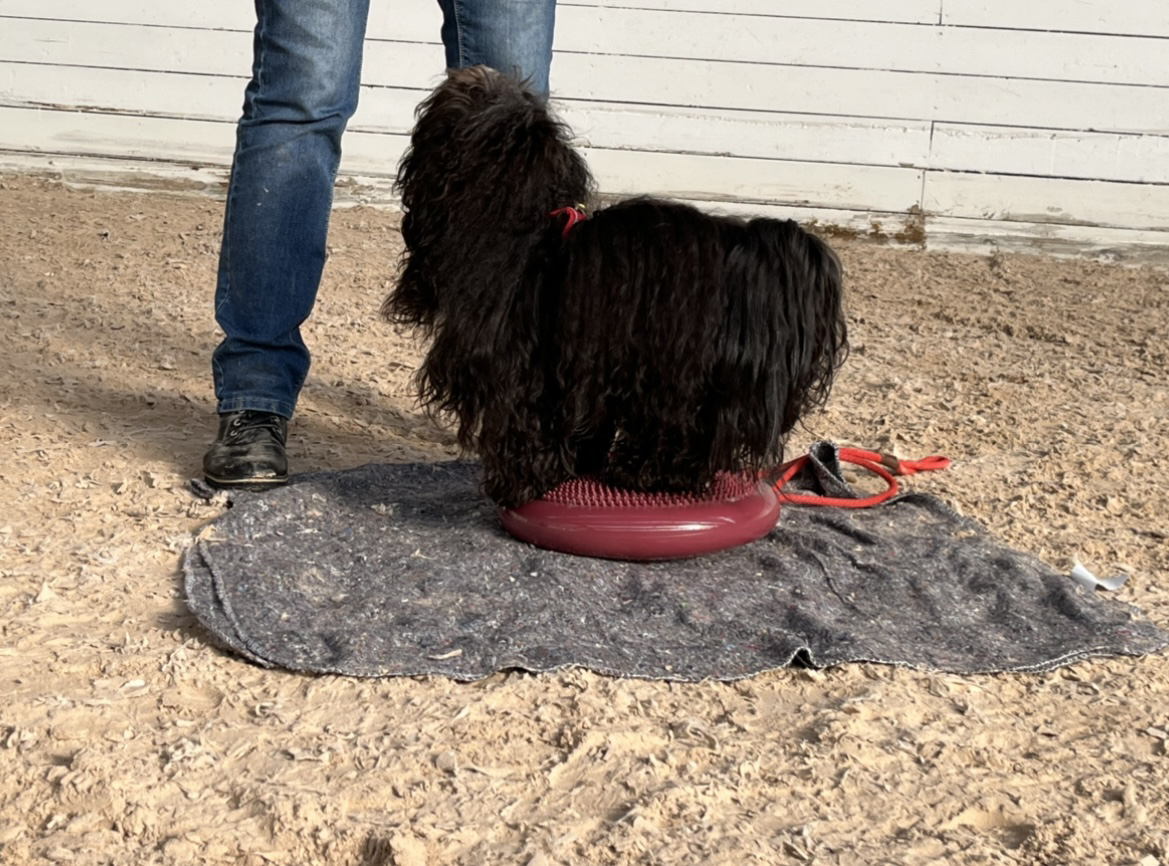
240 404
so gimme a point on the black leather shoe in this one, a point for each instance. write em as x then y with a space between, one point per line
248 453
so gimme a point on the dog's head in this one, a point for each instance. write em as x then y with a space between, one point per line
486 165
456 123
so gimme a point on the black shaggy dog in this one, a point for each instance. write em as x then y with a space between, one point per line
649 344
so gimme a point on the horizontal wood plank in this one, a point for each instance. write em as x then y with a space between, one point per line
116 135
129 175
869 45
420 19
365 153
863 93
1130 17
1047 200
1084 155
1127 246
638 33
390 110
693 176
126 46
764 135
163 94
200 142
908 11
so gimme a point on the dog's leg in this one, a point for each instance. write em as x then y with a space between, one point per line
520 466
592 454
669 460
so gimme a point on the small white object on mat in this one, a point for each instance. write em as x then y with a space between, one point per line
1088 580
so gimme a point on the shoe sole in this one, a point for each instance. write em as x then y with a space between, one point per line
245 483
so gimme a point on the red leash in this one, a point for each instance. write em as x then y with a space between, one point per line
884 465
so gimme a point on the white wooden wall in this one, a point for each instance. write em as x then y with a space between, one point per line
1035 123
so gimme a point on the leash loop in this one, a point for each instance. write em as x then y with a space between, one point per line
886 466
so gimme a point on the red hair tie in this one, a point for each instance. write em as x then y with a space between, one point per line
575 215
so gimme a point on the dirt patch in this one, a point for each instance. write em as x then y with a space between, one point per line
125 738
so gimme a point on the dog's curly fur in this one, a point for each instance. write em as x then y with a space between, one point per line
651 344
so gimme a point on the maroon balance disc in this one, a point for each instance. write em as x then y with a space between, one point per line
585 517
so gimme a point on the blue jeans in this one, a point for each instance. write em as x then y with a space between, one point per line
306 73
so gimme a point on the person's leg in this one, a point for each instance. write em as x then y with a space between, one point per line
513 36
305 78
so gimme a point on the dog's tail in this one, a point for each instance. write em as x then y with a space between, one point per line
784 335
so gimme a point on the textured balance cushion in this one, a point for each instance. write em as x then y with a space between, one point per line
587 518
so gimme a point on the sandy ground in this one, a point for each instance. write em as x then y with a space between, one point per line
125 738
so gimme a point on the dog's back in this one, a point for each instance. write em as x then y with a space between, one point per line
699 339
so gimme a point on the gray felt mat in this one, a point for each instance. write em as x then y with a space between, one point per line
403 569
